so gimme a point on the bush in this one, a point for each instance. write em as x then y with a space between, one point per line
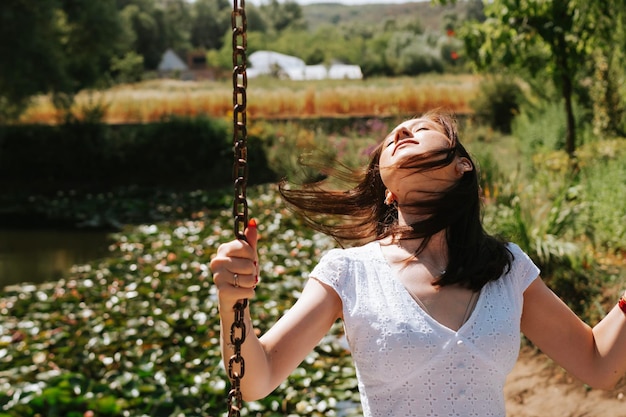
542 128
498 102
603 187
185 152
408 53
95 175
129 68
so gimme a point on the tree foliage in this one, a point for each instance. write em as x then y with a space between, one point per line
608 79
562 41
143 26
283 16
31 55
61 47
67 47
210 19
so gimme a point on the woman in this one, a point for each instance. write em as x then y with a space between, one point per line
432 305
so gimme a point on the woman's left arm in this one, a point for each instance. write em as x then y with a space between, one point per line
596 356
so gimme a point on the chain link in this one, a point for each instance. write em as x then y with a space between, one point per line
240 132
236 363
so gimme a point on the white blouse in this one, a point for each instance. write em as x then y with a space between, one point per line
407 363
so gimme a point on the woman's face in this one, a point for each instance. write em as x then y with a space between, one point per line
410 139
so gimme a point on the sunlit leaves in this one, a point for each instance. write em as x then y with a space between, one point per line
138 333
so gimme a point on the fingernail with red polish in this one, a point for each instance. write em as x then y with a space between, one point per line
252 223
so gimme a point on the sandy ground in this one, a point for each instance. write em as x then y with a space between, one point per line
538 388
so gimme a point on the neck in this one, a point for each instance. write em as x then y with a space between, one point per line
434 255
406 218
436 243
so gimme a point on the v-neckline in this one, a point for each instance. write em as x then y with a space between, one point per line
419 304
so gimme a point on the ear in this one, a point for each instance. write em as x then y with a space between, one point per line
389 198
463 165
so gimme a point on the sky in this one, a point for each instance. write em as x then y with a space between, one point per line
346 2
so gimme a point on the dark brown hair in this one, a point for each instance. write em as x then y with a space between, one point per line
360 213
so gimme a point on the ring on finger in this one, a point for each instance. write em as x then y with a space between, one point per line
236 280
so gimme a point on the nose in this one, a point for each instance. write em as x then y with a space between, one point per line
402 133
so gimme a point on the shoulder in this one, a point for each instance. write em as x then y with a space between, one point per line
518 256
522 269
351 254
336 265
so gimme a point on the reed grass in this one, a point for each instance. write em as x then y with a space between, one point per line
269 98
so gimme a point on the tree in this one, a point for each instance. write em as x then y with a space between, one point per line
176 18
211 19
58 47
283 16
90 38
256 20
144 24
537 36
475 10
607 92
408 53
154 26
30 59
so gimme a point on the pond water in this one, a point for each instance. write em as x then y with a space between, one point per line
37 256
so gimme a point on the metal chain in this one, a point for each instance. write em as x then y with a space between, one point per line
237 337
236 364
240 132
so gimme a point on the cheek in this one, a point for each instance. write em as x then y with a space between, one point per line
384 167
385 177
390 180
386 171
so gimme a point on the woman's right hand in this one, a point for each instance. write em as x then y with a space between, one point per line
271 358
235 267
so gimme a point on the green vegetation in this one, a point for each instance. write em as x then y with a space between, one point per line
87 49
565 51
136 333
575 46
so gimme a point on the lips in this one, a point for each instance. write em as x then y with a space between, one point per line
404 142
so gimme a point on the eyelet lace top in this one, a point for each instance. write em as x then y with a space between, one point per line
407 363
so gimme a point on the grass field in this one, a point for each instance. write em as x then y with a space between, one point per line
268 98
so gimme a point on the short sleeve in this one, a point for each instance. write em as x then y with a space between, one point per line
523 269
331 269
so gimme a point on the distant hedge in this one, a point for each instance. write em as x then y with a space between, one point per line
183 153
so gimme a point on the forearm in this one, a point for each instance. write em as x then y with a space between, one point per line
610 340
255 381
596 356
270 359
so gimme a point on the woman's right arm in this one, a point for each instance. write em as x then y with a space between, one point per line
270 359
